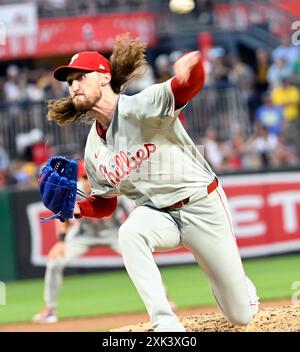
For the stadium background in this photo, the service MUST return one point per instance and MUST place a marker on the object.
(247, 118)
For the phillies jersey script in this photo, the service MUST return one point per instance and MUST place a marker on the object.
(147, 154)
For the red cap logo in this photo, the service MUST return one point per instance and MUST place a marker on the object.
(84, 61)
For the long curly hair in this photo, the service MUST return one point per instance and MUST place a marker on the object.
(128, 56)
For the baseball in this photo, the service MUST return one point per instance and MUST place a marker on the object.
(181, 6)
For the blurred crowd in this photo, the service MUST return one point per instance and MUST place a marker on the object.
(269, 86)
(21, 85)
(271, 90)
(56, 8)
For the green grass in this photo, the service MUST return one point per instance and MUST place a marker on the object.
(113, 292)
(273, 278)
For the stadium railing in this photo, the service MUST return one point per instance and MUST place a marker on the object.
(220, 107)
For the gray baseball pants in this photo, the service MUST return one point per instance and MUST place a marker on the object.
(207, 233)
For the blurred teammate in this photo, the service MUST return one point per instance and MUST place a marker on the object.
(138, 147)
(73, 242)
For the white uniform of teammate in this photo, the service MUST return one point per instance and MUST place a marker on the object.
(81, 236)
(149, 157)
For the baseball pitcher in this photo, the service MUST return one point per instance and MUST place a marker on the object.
(138, 147)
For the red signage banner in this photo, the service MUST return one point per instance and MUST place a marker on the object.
(265, 210)
(61, 36)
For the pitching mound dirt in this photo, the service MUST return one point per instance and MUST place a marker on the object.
(273, 316)
(275, 319)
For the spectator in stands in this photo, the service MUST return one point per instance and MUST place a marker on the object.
(12, 90)
(270, 115)
(14, 94)
(33, 92)
(262, 144)
(173, 57)
(283, 156)
(204, 10)
(296, 72)
(4, 166)
(4, 160)
(23, 174)
(278, 71)
(162, 67)
(287, 50)
(102, 4)
(216, 69)
(32, 147)
(145, 79)
(234, 153)
(52, 89)
(87, 7)
(287, 96)
(3, 180)
(212, 149)
(241, 75)
(52, 8)
(261, 83)
(2, 95)
(262, 65)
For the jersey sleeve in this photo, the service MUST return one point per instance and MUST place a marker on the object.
(155, 102)
(97, 207)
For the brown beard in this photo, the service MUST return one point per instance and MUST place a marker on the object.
(83, 106)
(63, 111)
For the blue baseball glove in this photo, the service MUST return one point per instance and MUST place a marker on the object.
(58, 187)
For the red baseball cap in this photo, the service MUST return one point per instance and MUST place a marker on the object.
(86, 61)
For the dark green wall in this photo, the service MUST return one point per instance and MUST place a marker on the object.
(7, 240)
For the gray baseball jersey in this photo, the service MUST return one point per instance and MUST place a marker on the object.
(147, 155)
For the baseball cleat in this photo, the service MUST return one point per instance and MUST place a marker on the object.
(46, 316)
(253, 298)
